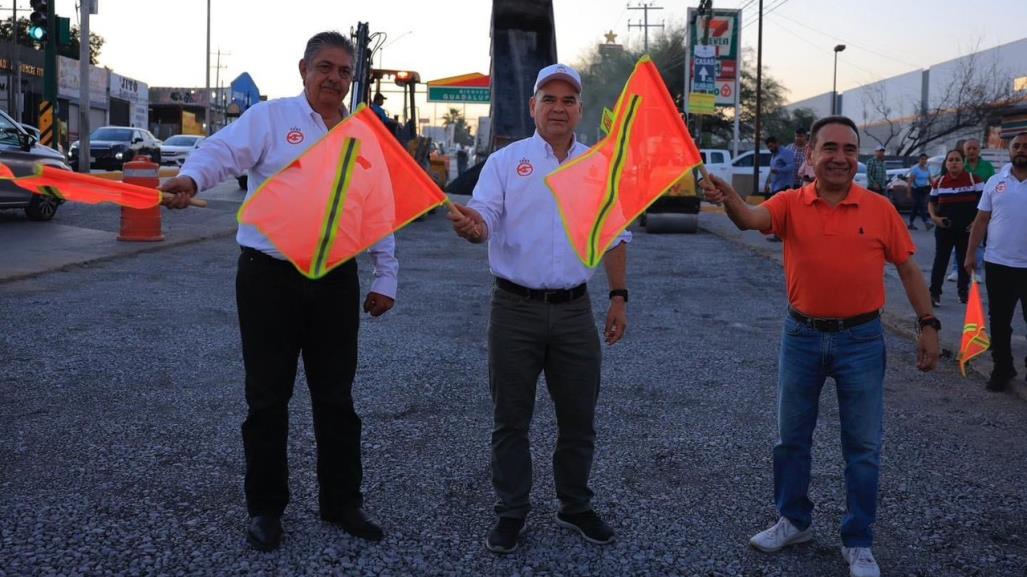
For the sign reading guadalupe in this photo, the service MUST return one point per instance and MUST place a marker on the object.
(470, 88)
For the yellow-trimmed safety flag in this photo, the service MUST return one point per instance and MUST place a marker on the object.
(349, 190)
(647, 151)
(975, 338)
(75, 187)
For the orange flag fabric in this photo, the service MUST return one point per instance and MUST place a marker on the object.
(975, 339)
(87, 189)
(75, 187)
(346, 192)
(647, 150)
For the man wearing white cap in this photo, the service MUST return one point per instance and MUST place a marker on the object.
(541, 318)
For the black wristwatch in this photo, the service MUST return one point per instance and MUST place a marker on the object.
(927, 321)
(619, 293)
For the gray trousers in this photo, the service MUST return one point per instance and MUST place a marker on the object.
(527, 337)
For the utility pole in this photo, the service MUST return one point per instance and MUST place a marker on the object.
(219, 103)
(206, 113)
(759, 103)
(16, 99)
(645, 25)
(86, 8)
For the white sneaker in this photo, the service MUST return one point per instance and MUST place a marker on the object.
(780, 536)
(952, 276)
(861, 562)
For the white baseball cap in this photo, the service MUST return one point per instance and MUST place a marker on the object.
(558, 72)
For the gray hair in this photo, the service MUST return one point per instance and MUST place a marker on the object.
(330, 38)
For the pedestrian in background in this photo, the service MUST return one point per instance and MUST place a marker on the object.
(799, 148)
(983, 170)
(541, 319)
(782, 168)
(1002, 215)
(919, 179)
(283, 314)
(953, 206)
(877, 173)
(837, 238)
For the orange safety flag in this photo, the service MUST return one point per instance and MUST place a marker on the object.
(975, 339)
(647, 151)
(75, 187)
(349, 190)
(87, 189)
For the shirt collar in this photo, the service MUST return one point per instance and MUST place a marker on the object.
(541, 142)
(855, 196)
(307, 108)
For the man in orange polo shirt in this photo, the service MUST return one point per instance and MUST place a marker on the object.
(837, 237)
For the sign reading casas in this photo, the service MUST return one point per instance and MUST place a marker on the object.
(714, 68)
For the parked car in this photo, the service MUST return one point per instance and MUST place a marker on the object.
(717, 162)
(741, 172)
(20, 152)
(176, 149)
(112, 146)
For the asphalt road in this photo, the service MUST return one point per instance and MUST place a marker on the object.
(121, 401)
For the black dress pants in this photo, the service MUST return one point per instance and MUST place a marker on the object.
(1006, 286)
(283, 315)
(945, 239)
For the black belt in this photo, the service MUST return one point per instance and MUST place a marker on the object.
(549, 296)
(833, 325)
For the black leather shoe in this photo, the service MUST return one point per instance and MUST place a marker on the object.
(264, 532)
(504, 535)
(588, 524)
(999, 380)
(355, 521)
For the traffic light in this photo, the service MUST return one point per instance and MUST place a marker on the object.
(38, 20)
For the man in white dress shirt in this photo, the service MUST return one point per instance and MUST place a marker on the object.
(541, 318)
(283, 314)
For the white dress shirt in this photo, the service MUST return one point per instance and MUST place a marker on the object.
(261, 142)
(1005, 197)
(527, 241)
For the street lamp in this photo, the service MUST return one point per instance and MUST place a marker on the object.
(834, 84)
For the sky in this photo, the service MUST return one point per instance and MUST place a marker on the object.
(162, 42)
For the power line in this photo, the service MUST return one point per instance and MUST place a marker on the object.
(848, 43)
(766, 13)
(645, 26)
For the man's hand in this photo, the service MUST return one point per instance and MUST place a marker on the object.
(717, 190)
(377, 304)
(616, 320)
(970, 262)
(940, 221)
(183, 187)
(927, 349)
(469, 224)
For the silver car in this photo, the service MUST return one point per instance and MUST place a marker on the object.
(177, 148)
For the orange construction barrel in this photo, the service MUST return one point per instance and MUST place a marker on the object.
(141, 224)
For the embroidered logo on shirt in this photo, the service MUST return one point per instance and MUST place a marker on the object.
(295, 136)
(525, 168)
(1000, 188)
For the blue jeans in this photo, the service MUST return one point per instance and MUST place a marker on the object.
(855, 358)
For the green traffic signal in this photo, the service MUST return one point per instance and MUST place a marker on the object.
(37, 33)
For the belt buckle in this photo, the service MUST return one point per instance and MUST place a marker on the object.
(548, 296)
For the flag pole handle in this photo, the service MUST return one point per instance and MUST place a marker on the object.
(453, 209)
(197, 202)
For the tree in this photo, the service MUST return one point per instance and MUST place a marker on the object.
(461, 132)
(977, 90)
(95, 45)
(604, 72)
(95, 41)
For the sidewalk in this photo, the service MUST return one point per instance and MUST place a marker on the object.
(897, 314)
(85, 234)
